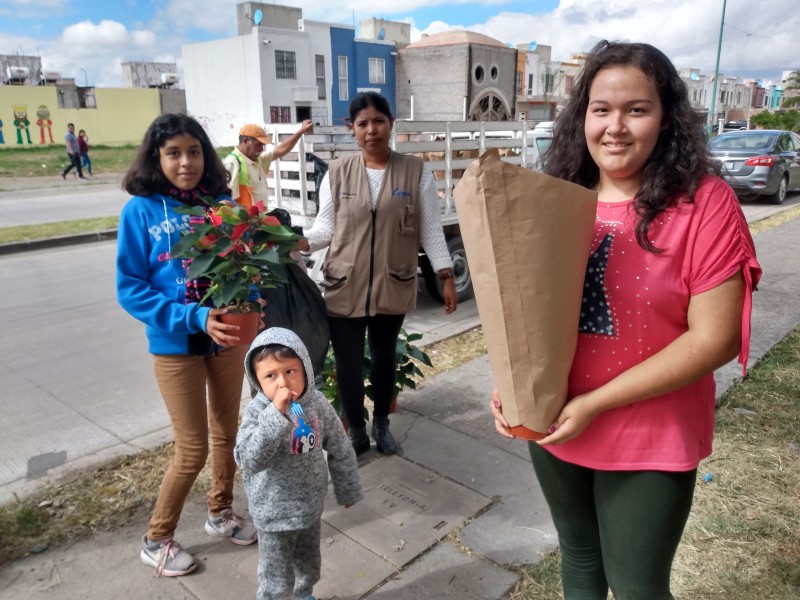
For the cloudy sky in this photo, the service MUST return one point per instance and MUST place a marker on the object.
(88, 39)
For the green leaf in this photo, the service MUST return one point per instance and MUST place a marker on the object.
(200, 266)
(184, 248)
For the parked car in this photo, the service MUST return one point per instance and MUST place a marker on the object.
(539, 140)
(762, 162)
(542, 135)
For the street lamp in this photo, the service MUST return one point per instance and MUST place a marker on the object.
(85, 78)
(712, 115)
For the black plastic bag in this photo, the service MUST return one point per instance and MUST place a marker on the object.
(298, 305)
(320, 168)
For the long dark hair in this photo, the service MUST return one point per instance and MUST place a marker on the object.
(373, 99)
(145, 177)
(678, 162)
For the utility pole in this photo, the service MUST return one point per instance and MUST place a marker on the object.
(713, 113)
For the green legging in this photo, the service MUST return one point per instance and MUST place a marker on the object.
(617, 529)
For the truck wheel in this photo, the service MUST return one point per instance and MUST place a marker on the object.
(463, 279)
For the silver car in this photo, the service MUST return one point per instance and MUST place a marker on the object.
(762, 162)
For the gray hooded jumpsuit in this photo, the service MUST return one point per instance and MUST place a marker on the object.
(286, 476)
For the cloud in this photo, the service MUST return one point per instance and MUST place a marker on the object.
(756, 44)
(93, 52)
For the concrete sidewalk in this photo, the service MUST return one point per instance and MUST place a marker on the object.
(456, 474)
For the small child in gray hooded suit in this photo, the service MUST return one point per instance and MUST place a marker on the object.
(284, 469)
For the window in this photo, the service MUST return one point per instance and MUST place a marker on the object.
(344, 93)
(285, 65)
(319, 61)
(280, 114)
(377, 70)
(569, 84)
(530, 85)
(518, 84)
(479, 74)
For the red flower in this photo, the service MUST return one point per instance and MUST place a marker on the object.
(207, 241)
(239, 231)
(270, 220)
(257, 208)
(216, 220)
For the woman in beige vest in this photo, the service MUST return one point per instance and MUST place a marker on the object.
(376, 209)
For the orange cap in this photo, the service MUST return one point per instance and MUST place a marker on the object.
(255, 131)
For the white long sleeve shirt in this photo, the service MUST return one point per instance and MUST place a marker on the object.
(431, 234)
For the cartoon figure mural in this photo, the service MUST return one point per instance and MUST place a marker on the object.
(21, 122)
(44, 123)
(2, 141)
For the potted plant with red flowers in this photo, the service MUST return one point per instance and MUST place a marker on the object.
(236, 250)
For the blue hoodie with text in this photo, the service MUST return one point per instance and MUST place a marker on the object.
(151, 285)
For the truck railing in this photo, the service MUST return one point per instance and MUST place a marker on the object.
(448, 147)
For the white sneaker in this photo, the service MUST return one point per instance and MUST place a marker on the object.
(167, 557)
(228, 524)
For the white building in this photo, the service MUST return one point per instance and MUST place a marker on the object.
(266, 75)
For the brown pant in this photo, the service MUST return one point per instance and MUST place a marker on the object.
(182, 379)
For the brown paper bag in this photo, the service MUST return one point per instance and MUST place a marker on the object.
(527, 237)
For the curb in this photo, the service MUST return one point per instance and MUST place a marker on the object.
(58, 241)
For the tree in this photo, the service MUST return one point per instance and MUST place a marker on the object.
(550, 80)
(788, 120)
(792, 83)
(765, 120)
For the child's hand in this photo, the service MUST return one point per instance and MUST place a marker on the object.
(283, 398)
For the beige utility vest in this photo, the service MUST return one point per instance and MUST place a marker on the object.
(371, 266)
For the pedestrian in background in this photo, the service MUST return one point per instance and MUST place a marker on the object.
(83, 147)
(73, 152)
(198, 372)
(667, 301)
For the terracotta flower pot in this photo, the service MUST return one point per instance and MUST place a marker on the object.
(248, 323)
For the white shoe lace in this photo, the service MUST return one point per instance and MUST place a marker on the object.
(231, 521)
(169, 548)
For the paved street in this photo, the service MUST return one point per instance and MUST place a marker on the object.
(76, 384)
(55, 200)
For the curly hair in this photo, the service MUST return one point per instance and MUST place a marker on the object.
(144, 177)
(678, 162)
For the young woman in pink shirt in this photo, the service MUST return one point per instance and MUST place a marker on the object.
(667, 301)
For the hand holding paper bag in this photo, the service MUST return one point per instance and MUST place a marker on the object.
(527, 237)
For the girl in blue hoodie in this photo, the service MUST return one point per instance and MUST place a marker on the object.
(176, 165)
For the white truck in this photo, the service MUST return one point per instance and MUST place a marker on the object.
(448, 147)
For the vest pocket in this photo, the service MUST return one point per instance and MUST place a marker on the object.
(336, 275)
(408, 220)
(395, 292)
